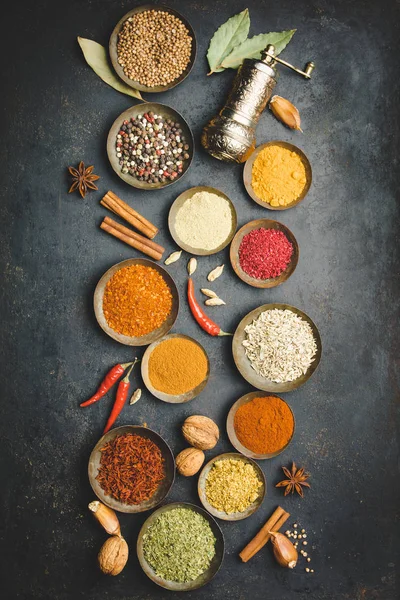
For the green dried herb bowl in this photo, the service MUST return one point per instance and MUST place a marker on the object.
(201, 579)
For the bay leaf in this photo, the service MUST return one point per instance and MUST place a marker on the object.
(97, 58)
(252, 47)
(231, 33)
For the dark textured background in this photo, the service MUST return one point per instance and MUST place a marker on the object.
(56, 112)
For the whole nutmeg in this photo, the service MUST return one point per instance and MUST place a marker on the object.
(113, 555)
(189, 461)
(201, 432)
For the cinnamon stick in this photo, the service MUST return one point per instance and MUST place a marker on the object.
(274, 523)
(131, 241)
(123, 210)
(134, 235)
(132, 211)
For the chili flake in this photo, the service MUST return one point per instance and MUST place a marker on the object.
(265, 253)
(136, 301)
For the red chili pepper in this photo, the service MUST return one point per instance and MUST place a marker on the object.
(122, 395)
(107, 383)
(202, 319)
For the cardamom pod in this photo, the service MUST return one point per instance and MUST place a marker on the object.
(135, 396)
(286, 112)
(173, 257)
(215, 273)
(214, 302)
(192, 266)
(208, 293)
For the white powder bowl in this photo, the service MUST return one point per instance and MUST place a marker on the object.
(202, 220)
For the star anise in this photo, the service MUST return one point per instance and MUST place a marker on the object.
(82, 179)
(296, 478)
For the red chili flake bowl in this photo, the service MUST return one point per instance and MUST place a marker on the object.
(235, 259)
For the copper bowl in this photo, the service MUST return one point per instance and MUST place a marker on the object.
(164, 487)
(180, 201)
(248, 167)
(148, 338)
(167, 113)
(230, 426)
(244, 366)
(234, 253)
(201, 579)
(114, 56)
(169, 397)
(238, 516)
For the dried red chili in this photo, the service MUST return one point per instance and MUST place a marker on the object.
(265, 253)
(131, 468)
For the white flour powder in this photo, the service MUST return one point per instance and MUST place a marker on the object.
(204, 221)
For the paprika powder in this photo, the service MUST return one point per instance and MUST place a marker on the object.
(264, 425)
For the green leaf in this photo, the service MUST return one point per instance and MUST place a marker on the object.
(96, 57)
(252, 47)
(229, 35)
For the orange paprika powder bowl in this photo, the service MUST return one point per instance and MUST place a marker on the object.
(160, 276)
(258, 432)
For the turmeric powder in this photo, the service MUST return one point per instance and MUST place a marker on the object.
(264, 425)
(177, 366)
(278, 176)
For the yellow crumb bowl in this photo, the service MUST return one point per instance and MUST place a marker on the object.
(277, 175)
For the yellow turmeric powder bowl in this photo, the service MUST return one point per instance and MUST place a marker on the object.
(277, 175)
(176, 368)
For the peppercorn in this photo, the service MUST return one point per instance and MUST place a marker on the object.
(149, 157)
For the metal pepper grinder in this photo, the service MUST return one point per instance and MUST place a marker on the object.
(230, 135)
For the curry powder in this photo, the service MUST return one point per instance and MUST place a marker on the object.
(177, 366)
(278, 176)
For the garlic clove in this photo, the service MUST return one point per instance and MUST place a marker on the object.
(286, 112)
(106, 517)
(284, 551)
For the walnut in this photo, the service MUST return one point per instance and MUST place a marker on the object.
(113, 555)
(201, 432)
(189, 461)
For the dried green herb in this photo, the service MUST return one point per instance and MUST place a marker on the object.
(252, 47)
(96, 57)
(229, 35)
(180, 545)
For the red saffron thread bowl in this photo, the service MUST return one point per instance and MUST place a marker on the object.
(235, 246)
(162, 490)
